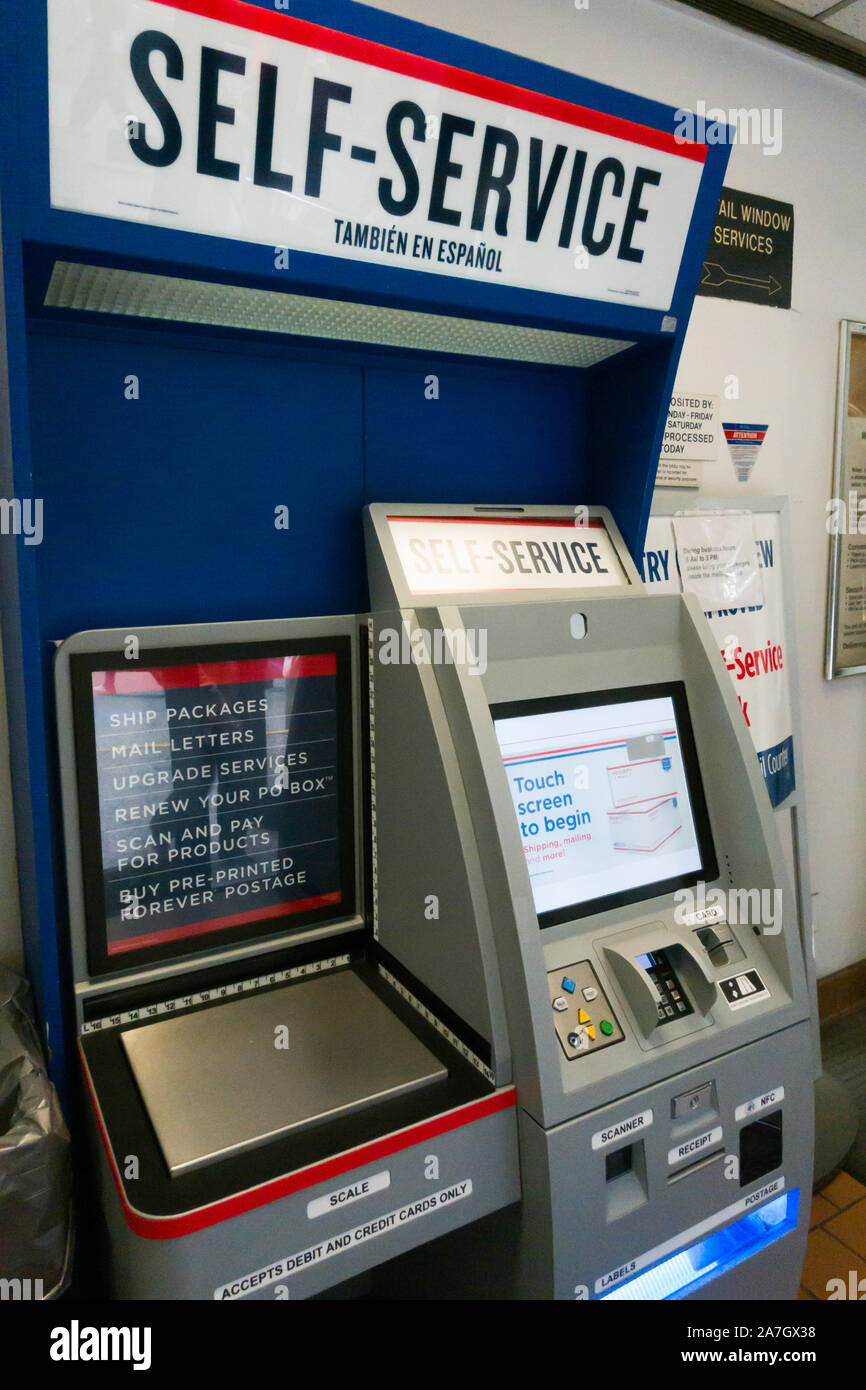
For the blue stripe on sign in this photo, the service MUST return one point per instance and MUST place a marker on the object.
(777, 765)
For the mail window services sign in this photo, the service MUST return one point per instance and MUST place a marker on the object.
(224, 118)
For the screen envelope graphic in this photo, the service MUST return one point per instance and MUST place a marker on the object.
(601, 799)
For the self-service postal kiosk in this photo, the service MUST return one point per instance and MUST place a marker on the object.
(449, 947)
(562, 770)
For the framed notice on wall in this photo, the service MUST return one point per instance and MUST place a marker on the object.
(846, 513)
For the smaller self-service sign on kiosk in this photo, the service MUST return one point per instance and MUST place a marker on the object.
(618, 861)
(271, 1115)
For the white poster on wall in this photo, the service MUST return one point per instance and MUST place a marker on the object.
(750, 638)
(718, 559)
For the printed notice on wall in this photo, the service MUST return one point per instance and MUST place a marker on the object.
(689, 440)
(848, 523)
(751, 640)
(717, 559)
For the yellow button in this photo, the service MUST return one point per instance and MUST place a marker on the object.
(590, 1033)
(583, 1016)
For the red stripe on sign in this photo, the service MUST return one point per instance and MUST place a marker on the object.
(307, 35)
(204, 673)
(171, 1227)
(157, 938)
(595, 523)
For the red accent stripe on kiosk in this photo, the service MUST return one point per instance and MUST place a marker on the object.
(173, 1227)
(309, 35)
(207, 673)
(238, 919)
(594, 523)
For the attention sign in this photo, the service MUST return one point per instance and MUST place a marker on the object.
(232, 120)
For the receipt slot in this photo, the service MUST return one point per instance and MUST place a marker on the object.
(270, 1114)
(570, 780)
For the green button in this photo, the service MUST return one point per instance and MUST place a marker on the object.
(606, 1027)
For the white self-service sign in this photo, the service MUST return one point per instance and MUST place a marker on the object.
(749, 631)
(263, 127)
(467, 555)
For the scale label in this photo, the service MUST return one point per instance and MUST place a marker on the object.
(347, 1240)
(622, 1129)
(759, 1103)
(364, 1187)
(708, 1140)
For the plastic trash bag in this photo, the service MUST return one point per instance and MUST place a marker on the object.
(35, 1174)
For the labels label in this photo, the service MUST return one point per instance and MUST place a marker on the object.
(703, 1228)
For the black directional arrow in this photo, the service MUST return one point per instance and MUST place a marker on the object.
(716, 275)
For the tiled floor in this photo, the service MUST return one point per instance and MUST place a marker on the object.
(837, 1240)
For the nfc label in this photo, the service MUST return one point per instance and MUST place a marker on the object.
(759, 1103)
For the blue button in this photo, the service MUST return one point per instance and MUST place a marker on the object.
(567, 985)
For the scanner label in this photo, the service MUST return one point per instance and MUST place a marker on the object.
(623, 1129)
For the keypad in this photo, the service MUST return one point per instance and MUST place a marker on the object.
(582, 1015)
(671, 1000)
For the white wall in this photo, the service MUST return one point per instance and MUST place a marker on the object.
(786, 361)
(10, 926)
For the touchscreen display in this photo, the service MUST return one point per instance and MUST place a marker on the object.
(607, 795)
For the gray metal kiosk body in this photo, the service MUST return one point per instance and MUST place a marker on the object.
(270, 1116)
(660, 1045)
